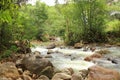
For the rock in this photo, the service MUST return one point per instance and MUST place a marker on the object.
(114, 61)
(48, 56)
(103, 51)
(108, 45)
(37, 53)
(37, 65)
(61, 76)
(51, 46)
(23, 46)
(20, 70)
(43, 77)
(4, 78)
(68, 71)
(50, 51)
(77, 76)
(100, 73)
(84, 73)
(78, 45)
(90, 58)
(92, 49)
(81, 75)
(19, 79)
(26, 77)
(48, 71)
(9, 70)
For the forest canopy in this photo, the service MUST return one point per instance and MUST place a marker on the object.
(76, 20)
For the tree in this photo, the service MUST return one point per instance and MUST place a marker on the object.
(91, 16)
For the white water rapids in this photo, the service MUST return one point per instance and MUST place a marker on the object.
(73, 58)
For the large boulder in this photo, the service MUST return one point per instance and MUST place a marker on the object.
(101, 73)
(38, 65)
(9, 70)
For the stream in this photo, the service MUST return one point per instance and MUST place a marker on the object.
(74, 58)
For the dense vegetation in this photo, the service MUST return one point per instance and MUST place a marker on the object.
(78, 20)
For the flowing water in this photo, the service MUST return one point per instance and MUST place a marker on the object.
(73, 58)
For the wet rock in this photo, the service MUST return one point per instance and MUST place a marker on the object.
(36, 53)
(101, 73)
(9, 70)
(103, 51)
(48, 56)
(36, 65)
(90, 58)
(92, 49)
(51, 46)
(108, 45)
(78, 45)
(50, 51)
(43, 77)
(114, 61)
(61, 76)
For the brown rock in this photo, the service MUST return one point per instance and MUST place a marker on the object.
(9, 70)
(103, 51)
(50, 51)
(100, 73)
(26, 77)
(43, 77)
(78, 45)
(51, 46)
(48, 71)
(38, 65)
(77, 76)
(89, 58)
(68, 71)
(48, 56)
(61, 76)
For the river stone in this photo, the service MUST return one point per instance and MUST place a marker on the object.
(43, 77)
(61, 76)
(77, 76)
(51, 46)
(91, 57)
(9, 70)
(101, 73)
(68, 71)
(37, 65)
(78, 45)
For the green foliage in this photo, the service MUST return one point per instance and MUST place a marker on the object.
(6, 54)
(91, 16)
